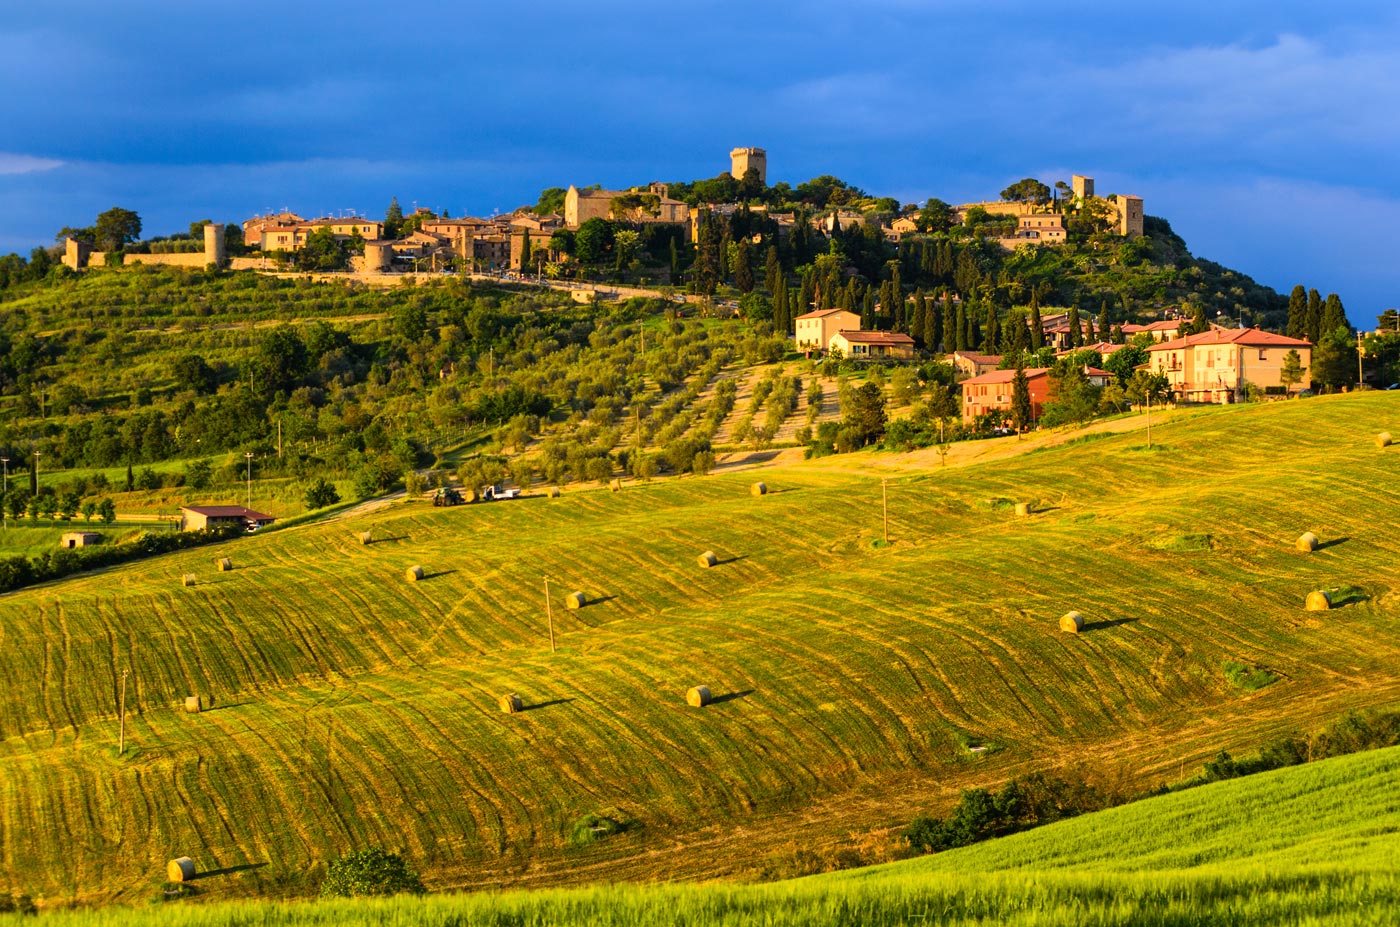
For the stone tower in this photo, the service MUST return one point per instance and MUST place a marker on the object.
(741, 159)
(1083, 187)
(214, 252)
(1129, 216)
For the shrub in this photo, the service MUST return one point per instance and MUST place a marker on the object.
(17, 904)
(370, 872)
(321, 494)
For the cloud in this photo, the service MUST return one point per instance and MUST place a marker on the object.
(11, 163)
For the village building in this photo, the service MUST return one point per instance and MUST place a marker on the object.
(289, 232)
(204, 517)
(1038, 229)
(871, 345)
(972, 364)
(1165, 330)
(992, 392)
(72, 539)
(813, 330)
(652, 205)
(1220, 365)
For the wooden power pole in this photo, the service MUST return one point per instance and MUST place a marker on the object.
(121, 736)
(549, 612)
(885, 504)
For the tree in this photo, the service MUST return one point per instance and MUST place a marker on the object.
(866, 417)
(743, 267)
(1298, 312)
(593, 240)
(1334, 359)
(1037, 326)
(1292, 370)
(1028, 190)
(370, 872)
(192, 372)
(107, 511)
(393, 219)
(117, 227)
(1021, 410)
(321, 494)
(1333, 315)
(936, 216)
(1199, 325)
(281, 360)
(1315, 328)
(88, 509)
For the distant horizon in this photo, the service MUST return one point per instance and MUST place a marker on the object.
(1261, 132)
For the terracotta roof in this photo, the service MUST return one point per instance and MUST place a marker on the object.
(876, 337)
(226, 511)
(1005, 376)
(978, 358)
(819, 313)
(1252, 337)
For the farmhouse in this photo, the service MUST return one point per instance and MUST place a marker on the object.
(860, 344)
(203, 517)
(972, 364)
(79, 539)
(1218, 365)
(993, 391)
(814, 329)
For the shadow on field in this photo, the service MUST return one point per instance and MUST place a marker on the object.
(436, 573)
(553, 701)
(600, 600)
(1105, 625)
(1041, 509)
(731, 559)
(731, 696)
(1332, 543)
(213, 707)
(228, 870)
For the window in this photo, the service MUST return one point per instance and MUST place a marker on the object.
(1263, 355)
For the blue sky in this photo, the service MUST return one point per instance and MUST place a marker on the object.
(1265, 132)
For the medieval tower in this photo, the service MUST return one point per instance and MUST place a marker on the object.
(741, 159)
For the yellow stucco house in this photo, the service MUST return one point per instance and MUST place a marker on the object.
(813, 330)
(1217, 366)
(885, 345)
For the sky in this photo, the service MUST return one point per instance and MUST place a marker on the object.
(1266, 133)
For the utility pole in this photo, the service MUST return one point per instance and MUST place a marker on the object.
(1149, 419)
(885, 503)
(549, 611)
(279, 438)
(5, 496)
(1360, 378)
(121, 737)
(248, 455)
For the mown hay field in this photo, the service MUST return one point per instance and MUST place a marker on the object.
(1313, 845)
(352, 708)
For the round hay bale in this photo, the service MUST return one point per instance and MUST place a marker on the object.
(576, 600)
(224, 564)
(179, 870)
(1306, 542)
(469, 495)
(552, 492)
(193, 704)
(698, 696)
(1023, 509)
(1072, 623)
(366, 537)
(615, 485)
(187, 580)
(758, 489)
(511, 703)
(1318, 602)
(413, 574)
(707, 559)
(1383, 439)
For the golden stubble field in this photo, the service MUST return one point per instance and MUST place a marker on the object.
(352, 707)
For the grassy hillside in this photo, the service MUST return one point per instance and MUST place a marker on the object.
(354, 708)
(1315, 844)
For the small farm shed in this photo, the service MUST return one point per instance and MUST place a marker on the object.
(79, 539)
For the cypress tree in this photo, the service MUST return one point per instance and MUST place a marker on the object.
(1103, 320)
(989, 329)
(974, 335)
(675, 261)
(130, 478)
(525, 251)
(1333, 315)
(743, 268)
(1076, 334)
(867, 310)
(897, 300)
(1199, 325)
(960, 328)
(1314, 316)
(1037, 326)
(772, 271)
(1021, 410)
(806, 294)
(1298, 312)
(34, 477)
(1089, 330)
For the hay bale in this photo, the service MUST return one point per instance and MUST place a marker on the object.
(1318, 602)
(187, 580)
(224, 564)
(707, 559)
(179, 870)
(366, 537)
(576, 600)
(758, 489)
(469, 495)
(413, 574)
(511, 704)
(552, 492)
(1383, 439)
(193, 704)
(1072, 623)
(1306, 542)
(1023, 509)
(698, 696)
(615, 485)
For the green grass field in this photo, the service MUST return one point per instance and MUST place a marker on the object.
(353, 708)
(1314, 844)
